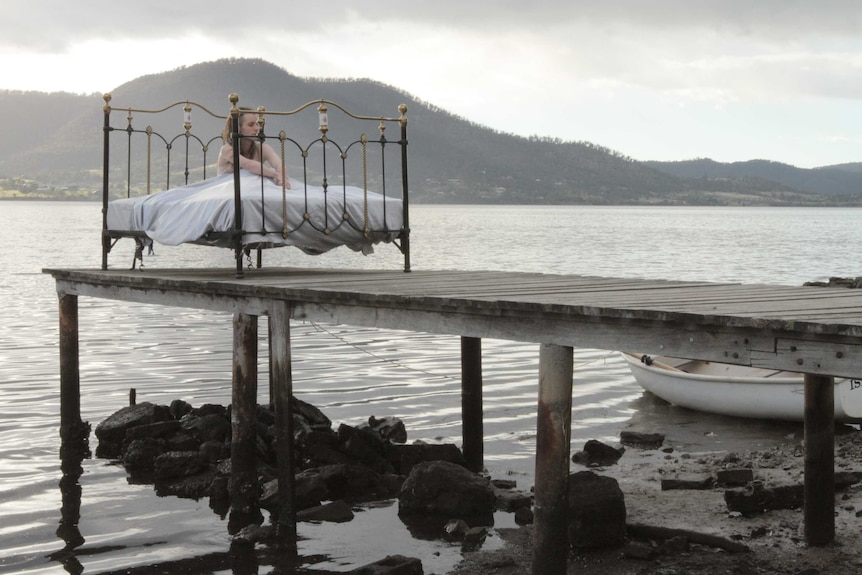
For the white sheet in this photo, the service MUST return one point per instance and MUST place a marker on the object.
(187, 214)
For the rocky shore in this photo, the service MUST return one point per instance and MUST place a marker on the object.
(644, 505)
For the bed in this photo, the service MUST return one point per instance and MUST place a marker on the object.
(338, 190)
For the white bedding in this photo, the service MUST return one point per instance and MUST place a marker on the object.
(187, 214)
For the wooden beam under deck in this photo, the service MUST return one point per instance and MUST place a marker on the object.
(813, 330)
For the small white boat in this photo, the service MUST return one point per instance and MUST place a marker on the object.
(737, 390)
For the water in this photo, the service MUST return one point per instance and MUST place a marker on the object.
(350, 373)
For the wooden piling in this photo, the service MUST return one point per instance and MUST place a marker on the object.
(244, 488)
(471, 403)
(553, 435)
(71, 425)
(819, 459)
(281, 379)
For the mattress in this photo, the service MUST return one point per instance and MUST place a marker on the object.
(316, 221)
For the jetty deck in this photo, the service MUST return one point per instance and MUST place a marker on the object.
(813, 330)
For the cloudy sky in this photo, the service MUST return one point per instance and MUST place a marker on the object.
(654, 80)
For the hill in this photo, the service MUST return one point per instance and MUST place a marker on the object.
(841, 180)
(55, 139)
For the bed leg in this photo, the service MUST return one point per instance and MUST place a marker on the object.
(139, 254)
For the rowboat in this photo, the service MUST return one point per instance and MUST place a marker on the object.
(735, 390)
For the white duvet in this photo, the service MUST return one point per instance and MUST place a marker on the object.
(189, 213)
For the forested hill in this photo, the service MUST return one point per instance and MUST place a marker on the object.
(55, 139)
(836, 180)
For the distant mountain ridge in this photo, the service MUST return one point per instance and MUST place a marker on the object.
(839, 179)
(57, 139)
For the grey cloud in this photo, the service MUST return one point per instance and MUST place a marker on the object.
(51, 25)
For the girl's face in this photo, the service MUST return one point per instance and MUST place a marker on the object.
(248, 125)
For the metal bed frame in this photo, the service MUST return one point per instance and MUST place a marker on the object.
(318, 153)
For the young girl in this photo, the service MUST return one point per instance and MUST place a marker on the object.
(251, 150)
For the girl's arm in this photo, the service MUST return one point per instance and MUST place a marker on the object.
(271, 167)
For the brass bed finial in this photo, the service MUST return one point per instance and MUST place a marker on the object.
(107, 98)
(323, 118)
(234, 98)
(187, 117)
(261, 118)
(402, 108)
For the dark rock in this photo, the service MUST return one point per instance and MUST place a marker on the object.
(323, 455)
(504, 483)
(851, 283)
(642, 440)
(213, 451)
(182, 441)
(112, 431)
(365, 446)
(155, 430)
(208, 427)
(333, 512)
(312, 416)
(211, 409)
(391, 565)
(348, 481)
(474, 537)
(444, 488)
(524, 516)
(265, 416)
(511, 500)
(597, 511)
(700, 482)
(734, 477)
(455, 530)
(177, 464)
(179, 408)
(844, 479)
(141, 454)
(757, 498)
(596, 453)
(387, 428)
(190, 487)
(310, 489)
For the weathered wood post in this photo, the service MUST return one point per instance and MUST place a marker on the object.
(244, 488)
(553, 435)
(819, 459)
(71, 426)
(282, 381)
(471, 403)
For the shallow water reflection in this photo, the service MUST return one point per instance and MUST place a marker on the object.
(349, 373)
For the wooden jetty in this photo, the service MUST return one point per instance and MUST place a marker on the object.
(813, 330)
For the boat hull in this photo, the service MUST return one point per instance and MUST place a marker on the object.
(760, 394)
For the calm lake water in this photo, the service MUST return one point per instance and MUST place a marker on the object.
(350, 373)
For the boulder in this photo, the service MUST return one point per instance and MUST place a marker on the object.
(112, 431)
(387, 428)
(177, 464)
(597, 454)
(444, 488)
(207, 427)
(597, 511)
